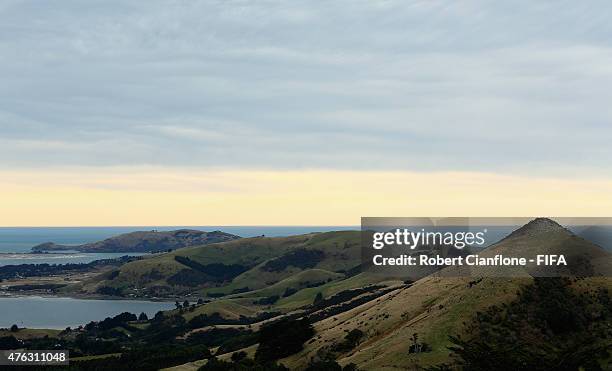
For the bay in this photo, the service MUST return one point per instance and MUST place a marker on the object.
(59, 313)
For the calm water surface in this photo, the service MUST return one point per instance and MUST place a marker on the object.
(58, 313)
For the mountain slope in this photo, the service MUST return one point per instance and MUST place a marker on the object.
(436, 307)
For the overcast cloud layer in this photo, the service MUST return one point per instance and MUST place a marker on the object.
(481, 85)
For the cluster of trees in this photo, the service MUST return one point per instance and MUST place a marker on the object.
(145, 358)
(267, 300)
(120, 320)
(350, 341)
(187, 305)
(216, 272)
(109, 291)
(549, 326)
(283, 338)
(229, 338)
(188, 278)
(341, 302)
(203, 320)
(45, 269)
(9, 342)
(418, 347)
(300, 258)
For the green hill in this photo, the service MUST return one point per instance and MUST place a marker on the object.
(438, 306)
(426, 313)
(237, 266)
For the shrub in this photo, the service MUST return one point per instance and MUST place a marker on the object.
(300, 258)
(283, 338)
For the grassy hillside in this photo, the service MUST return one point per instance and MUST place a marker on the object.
(435, 307)
(242, 265)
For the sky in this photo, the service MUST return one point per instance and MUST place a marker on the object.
(318, 112)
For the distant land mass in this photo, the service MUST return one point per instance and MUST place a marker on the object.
(144, 241)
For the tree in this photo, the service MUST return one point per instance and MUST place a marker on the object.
(67, 330)
(186, 304)
(283, 338)
(318, 298)
(14, 328)
(159, 316)
(177, 304)
(143, 317)
(549, 326)
(200, 301)
(9, 342)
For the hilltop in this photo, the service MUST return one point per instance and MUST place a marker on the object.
(144, 241)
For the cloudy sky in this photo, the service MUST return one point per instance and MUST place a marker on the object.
(222, 105)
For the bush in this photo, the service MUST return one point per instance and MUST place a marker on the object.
(9, 342)
(110, 291)
(548, 327)
(350, 341)
(216, 271)
(267, 301)
(188, 278)
(300, 258)
(283, 338)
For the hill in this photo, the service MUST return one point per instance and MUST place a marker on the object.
(144, 241)
(436, 306)
(236, 266)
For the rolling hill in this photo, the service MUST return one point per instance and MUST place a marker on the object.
(437, 306)
(238, 266)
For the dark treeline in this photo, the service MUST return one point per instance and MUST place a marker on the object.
(215, 272)
(300, 258)
(45, 269)
(550, 326)
(123, 343)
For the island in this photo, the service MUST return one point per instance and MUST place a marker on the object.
(143, 241)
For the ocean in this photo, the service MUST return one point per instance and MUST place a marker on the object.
(16, 242)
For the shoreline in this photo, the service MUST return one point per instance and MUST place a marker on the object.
(3, 295)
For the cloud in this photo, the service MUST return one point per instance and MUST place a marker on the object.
(428, 86)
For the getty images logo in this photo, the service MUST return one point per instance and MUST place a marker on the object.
(412, 240)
